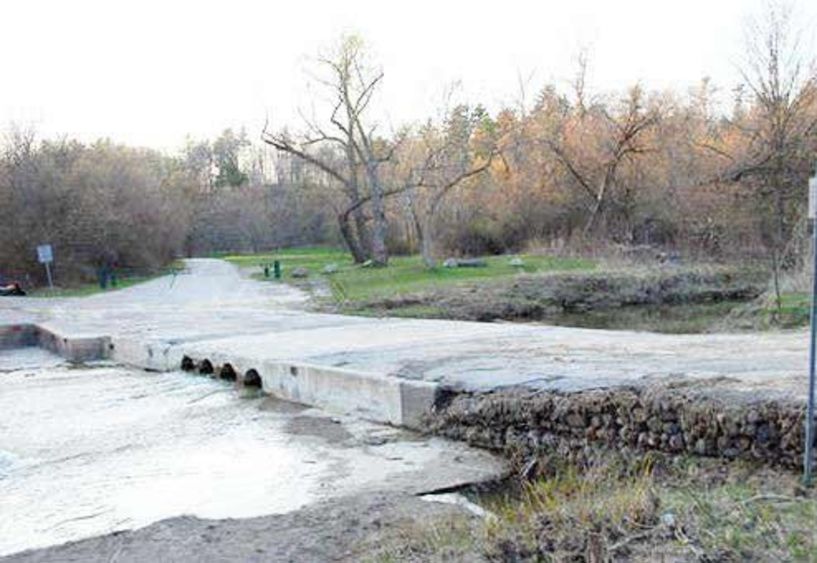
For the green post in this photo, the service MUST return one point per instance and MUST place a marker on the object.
(276, 266)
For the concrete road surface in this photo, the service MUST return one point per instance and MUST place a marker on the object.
(212, 308)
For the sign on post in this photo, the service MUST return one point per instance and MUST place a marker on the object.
(45, 255)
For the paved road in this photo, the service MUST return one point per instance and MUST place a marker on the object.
(212, 308)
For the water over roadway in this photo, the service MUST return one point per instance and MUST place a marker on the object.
(89, 450)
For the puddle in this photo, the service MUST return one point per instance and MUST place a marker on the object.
(319, 427)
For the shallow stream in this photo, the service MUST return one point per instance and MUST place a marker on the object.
(670, 319)
(93, 449)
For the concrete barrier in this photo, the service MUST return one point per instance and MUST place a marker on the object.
(152, 355)
(79, 348)
(372, 396)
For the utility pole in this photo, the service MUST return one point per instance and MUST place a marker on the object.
(807, 450)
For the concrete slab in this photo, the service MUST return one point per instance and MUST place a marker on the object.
(213, 311)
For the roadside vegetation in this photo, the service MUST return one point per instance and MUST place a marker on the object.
(566, 290)
(351, 284)
(122, 280)
(651, 509)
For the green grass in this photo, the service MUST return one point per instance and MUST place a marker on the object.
(795, 309)
(85, 289)
(404, 275)
(794, 312)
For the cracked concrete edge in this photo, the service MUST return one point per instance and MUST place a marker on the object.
(74, 348)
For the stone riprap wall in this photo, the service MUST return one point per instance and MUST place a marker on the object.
(669, 418)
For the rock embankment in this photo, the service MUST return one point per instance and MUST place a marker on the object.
(675, 418)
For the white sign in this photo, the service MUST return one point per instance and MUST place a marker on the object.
(45, 254)
(812, 198)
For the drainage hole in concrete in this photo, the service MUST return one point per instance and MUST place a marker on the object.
(252, 379)
(227, 372)
(206, 367)
(188, 364)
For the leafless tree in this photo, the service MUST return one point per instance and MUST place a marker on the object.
(352, 84)
(783, 83)
(619, 137)
(446, 157)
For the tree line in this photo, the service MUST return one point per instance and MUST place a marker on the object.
(573, 168)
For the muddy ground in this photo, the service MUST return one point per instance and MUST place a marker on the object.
(349, 529)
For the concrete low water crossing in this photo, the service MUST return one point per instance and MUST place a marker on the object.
(87, 449)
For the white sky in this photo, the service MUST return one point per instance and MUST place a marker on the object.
(151, 72)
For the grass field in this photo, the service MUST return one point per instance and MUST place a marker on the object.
(405, 274)
(794, 312)
(123, 280)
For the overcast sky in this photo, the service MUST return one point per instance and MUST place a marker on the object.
(151, 72)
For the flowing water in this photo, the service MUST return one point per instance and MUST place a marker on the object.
(90, 450)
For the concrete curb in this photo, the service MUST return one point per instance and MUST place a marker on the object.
(18, 336)
(371, 396)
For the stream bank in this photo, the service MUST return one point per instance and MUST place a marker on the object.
(666, 299)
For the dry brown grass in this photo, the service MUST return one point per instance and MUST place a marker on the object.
(653, 509)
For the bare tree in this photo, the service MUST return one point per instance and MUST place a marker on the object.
(352, 84)
(619, 138)
(783, 84)
(448, 157)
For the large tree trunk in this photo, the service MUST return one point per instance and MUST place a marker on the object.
(427, 243)
(380, 253)
(598, 204)
(348, 234)
(364, 236)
